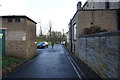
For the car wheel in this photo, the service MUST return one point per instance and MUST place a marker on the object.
(37, 47)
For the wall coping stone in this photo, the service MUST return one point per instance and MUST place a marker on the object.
(111, 33)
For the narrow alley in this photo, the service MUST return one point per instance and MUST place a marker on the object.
(50, 63)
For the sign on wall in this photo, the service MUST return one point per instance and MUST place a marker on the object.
(24, 38)
(1, 36)
(16, 35)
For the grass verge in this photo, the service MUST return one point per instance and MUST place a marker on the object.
(9, 63)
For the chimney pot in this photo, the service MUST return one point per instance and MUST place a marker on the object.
(79, 6)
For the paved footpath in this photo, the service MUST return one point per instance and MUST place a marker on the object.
(51, 63)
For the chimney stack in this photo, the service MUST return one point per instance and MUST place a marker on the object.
(79, 6)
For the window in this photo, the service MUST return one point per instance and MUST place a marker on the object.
(9, 19)
(107, 5)
(92, 3)
(17, 20)
(75, 31)
(68, 37)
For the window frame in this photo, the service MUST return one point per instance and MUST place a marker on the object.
(17, 19)
(107, 5)
(74, 32)
(10, 20)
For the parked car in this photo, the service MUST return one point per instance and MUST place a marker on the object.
(42, 45)
(63, 43)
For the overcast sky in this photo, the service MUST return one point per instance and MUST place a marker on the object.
(59, 12)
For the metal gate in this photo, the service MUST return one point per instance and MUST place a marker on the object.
(2, 42)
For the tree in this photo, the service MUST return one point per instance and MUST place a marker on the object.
(50, 27)
(63, 34)
(52, 35)
(40, 34)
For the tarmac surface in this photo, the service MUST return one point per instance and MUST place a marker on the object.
(50, 63)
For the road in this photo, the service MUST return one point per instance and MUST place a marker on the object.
(50, 63)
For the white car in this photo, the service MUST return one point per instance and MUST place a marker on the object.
(46, 43)
(63, 43)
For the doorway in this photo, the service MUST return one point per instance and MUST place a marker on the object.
(2, 42)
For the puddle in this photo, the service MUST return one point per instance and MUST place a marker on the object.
(52, 51)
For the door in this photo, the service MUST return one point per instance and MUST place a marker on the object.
(2, 42)
(74, 48)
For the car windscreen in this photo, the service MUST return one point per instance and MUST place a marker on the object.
(42, 43)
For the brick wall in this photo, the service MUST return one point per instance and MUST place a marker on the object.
(101, 53)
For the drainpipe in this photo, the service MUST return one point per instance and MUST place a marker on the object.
(118, 18)
(70, 29)
(92, 4)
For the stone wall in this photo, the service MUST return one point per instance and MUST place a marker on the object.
(102, 5)
(16, 44)
(107, 19)
(16, 49)
(30, 38)
(101, 53)
(15, 34)
(73, 43)
(20, 37)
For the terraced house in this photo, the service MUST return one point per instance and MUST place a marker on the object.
(20, 36)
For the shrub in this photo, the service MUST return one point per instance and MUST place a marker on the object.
(94, 29)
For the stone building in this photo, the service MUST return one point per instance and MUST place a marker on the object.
(20, 36)
(81, 45)
(102, 4)
(83, 18)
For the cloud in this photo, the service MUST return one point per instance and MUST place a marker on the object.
(57, 11)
